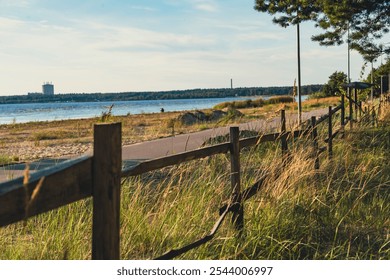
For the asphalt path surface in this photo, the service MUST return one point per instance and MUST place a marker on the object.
(132, 154)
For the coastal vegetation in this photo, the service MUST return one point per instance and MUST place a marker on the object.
(338, 212)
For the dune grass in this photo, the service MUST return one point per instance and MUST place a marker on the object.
(340, 211)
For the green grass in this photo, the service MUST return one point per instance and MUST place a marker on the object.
(340, 211)
(4, 160)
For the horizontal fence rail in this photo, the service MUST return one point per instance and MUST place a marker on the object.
(98, 176)
(45, 190)
(162, 162)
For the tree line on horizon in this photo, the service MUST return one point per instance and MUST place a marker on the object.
(173, 94)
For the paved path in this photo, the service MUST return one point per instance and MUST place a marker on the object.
(131, 154)
(186, 142)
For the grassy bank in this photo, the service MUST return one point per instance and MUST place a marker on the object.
(338, 212)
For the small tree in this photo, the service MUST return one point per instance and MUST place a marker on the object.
(334, 86)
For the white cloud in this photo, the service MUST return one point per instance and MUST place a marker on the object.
(131, 39)
(204, 5)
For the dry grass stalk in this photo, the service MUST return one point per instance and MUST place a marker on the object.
(29, 200)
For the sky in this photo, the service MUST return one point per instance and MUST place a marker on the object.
(154, 45)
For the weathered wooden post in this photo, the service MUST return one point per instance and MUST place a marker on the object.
(314, 136)
(107, 165)
(356, 104)
(283, 134)
(350, 111)
(238, 214)
(330, 134)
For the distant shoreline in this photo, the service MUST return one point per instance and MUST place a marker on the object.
(49, 111)
(161, 95)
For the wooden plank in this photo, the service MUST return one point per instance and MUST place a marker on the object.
(150, 165)
(63, 184)
(238, 215)
(350, 99)
(322, 119)
(107, 165)
(253, 141)
(320, 151)
(246, 194)
(326, 116)
(300, 133)
(336, 109)
(158, 163)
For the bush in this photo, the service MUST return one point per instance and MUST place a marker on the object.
(280, 99)
(241, 104)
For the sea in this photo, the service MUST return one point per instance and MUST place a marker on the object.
(32, 112)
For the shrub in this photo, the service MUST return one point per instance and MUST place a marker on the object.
(280, 99)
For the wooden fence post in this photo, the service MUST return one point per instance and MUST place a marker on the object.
(283, 137)
(356, 104)
(350, 110)
(314, 136)
(342, 121)
(107, 165)
(330, 134)
(238, 214)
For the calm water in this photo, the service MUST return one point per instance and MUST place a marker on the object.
(21, 113)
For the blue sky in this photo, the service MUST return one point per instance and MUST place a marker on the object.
(151, 45)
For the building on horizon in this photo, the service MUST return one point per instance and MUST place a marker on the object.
(48, 89)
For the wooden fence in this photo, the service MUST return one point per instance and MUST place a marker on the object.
(99, 177)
